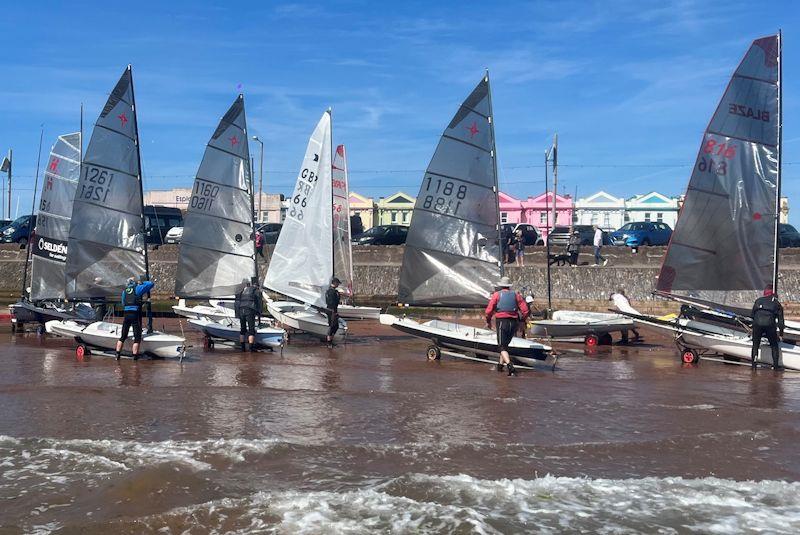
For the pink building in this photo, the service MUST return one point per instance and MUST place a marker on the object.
(537, 211)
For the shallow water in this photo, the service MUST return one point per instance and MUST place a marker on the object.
(371, 437)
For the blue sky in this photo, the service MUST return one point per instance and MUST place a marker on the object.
(628, 86)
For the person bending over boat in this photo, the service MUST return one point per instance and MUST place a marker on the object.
(332, 302)
(247, 306)
(132, 299)
(507, 306)
(767, 321)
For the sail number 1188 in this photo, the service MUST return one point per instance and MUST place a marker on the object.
(444, 196)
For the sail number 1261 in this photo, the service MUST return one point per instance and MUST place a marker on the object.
(96, 184)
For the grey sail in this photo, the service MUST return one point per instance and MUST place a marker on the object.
(49, 248)
(452, 254)
(106, 234)
(723, 249)
(342, 248)
(217, 250)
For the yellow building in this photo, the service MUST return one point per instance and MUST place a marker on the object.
(395, 209)
(364, 207)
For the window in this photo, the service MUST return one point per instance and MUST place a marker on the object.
(542, 218)
(647, 216)
(659, 217)
(574, 217)
(594, 218)
(504, 217)
(394, 216)
(406, 216)
(606, 220)
(626, 218)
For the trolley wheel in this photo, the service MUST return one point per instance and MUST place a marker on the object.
(82, 351)
(689, 356)
(434, 353)
(208, 343)
(606, 339)
(591, 340)
(14, 327)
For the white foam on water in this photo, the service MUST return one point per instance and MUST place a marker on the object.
(428, 503)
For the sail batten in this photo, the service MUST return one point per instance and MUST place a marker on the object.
(302, 261)
(723, 249)
(48, 250)
(106, 234)
(217, 251)
(452, 254)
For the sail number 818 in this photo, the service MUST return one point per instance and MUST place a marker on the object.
(445, 196)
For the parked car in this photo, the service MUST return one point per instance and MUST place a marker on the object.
(560, 235)
(270, 231)
(4, 223)
(157, 222)
(174, 235)
(788, 236)
(529, 232)
(642, 233)
(19, 230)
(382, 235)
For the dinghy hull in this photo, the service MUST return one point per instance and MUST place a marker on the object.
(104, 335)
(304, 318)
(572, 323)
(265, 336)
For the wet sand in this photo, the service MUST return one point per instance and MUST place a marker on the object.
(371, 437)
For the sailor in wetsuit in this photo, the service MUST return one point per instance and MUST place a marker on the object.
(332, 303)
(132, 299)
(767, 321)
(507, 306)
(247, 305)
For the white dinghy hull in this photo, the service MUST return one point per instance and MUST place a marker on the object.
(573, 323)
(104, 335)
(304, 318)
(229, 330)
(468, 339)
(350, 312)
(212, 312)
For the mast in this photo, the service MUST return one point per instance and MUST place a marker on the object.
(148, 305)
(547, 226)
(780, 157)
(30, 221)
(496, 180)
(555, 180)
(251, 186)
(333, 233)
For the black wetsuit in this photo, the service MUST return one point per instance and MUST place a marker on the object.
(767, 321)
(332, 302)
(248, 303)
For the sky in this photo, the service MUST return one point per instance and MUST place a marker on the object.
(629, 86)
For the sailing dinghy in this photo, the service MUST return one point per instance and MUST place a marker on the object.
(342, 246)
(302, 262)
(217, 251)
(724, 250)
(216, 309)
(452, 255)
(106, 232)
(49, 247)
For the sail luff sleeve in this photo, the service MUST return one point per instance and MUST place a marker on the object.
(452, 251)
(723, 246)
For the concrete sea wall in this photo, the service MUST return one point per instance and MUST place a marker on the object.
(377, 271)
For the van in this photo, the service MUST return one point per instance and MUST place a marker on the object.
(19, 230)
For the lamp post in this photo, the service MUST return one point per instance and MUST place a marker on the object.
(260, 177)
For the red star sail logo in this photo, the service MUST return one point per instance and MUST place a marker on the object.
(54, 164)
(122, 119)
(49, 183)
(234, 141)
(472, 129)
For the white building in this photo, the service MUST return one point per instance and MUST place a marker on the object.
(652, 206)
(601, 209)
(272, 209)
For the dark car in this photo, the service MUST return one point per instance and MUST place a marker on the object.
(642, 233)
(157, 222)
(4, 223)
(19, 230)
(560, 235)
(788, 236)
(382, 235)
(529, 232)
(270, 231)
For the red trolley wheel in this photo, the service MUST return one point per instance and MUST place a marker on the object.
(689, 356)
(591, 340)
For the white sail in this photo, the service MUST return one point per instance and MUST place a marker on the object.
(302, 262)
(342, 248)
